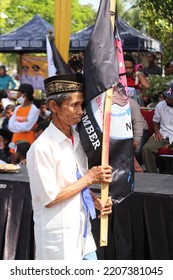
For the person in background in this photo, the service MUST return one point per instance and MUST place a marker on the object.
(5, 100)
(171, 67)
(152, 68)
(76, 63)
(41, 127)
(9, 110)
(163, 131)
(167, 70)
(59, 178)
(25, 116)
(37, 79)
(43, 112)
(135, 80)
(3, 95)
(25, 78)
(5, 139)
(6, 81)
(160, 97)
(140, 129)
(21, 149)
(139, 67)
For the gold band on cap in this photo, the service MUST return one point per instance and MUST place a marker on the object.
(61, 86)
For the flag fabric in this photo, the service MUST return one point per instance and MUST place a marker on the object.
(101, 72)
(56, 64)
(51, 66)
(100, 57)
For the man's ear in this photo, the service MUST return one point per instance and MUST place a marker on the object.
(52, 106)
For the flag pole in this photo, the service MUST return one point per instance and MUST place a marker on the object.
(105, 146)
(62, 24)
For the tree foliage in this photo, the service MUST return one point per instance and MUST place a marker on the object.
(20, 11)
(157, 16)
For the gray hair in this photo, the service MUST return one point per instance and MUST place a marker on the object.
(58, 98)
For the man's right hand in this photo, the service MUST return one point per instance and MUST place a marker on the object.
(157, 136)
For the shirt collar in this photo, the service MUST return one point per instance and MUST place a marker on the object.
(60, 136)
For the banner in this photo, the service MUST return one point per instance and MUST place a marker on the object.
(31, 60)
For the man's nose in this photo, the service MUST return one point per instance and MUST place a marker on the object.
(81, 111)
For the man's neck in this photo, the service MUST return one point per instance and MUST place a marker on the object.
(66, 129)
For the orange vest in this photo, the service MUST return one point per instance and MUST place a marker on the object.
(28, 136)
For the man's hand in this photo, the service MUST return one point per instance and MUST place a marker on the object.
(99, 174)
(104, 209)
(157, 136)
(136, 144)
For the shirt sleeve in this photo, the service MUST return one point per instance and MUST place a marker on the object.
(42, 174)
(156, 117)
(16, 126)
(137, 120)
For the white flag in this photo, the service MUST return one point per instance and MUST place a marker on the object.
(51, 67)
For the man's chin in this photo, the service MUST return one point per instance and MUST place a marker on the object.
(76, 121)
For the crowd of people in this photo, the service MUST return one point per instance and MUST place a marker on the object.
(45, 139)
(20, 117)
(21, 120)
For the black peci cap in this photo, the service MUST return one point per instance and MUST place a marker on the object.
(64, 83)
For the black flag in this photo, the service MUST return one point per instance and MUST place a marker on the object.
(56, 63)
(100, 61)
(101, 72)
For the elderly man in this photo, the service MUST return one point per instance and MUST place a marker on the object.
(59, 179)
(163, 131)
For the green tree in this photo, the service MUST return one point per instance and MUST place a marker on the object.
(157, 15)
(3, 6)
(82, 16)
(20, 11)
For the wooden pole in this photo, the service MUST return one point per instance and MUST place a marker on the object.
(62, 26)
(105, 148)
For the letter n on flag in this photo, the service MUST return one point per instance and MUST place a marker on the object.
(101, 72)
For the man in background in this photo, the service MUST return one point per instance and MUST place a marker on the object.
(152, 68)
(37, 79)
(163, 131)
(25, 78)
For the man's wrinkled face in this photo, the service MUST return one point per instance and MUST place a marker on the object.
(70, 112)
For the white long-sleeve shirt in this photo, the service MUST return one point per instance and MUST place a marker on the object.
(15, 126)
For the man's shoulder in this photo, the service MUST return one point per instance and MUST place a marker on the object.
(161, 105)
